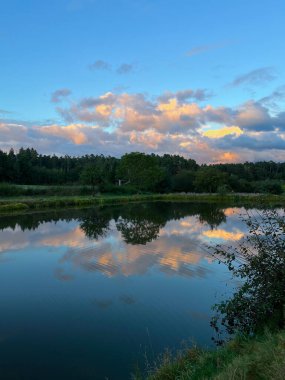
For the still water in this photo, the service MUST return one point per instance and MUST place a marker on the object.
(90, 294)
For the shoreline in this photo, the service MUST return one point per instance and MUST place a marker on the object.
(23, 204)
(257, 357)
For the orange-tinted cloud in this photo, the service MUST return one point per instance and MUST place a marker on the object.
(228, 157)
(224, 235)
(173, 123)
(72, 132)
(73, 238)
(218, 133)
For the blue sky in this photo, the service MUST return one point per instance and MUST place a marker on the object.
(220, 63)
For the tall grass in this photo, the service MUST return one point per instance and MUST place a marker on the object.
(262, 357)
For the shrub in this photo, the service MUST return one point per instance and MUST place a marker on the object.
(258, 261)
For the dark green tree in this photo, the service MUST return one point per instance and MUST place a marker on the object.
(183, 181)
(208, 179)
(92, 175)
(140, 170)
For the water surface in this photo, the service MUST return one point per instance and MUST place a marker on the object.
(88, 294)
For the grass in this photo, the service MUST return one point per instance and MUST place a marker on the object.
(261, 358)
(22, 203)
(13, 207)
(13, 190)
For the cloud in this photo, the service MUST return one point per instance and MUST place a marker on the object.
(228, 157)
(204, 48)
(254, 116)
(12, 133)
(57, 95)
(218, 133)
(135, 112)
(257, 77)
(71, 132)
(199, 49)
(257, 141)
(91, 110)
(199, 95)
(148, 138)
(251, 116)
(175, 123)
(100, 65)
(5, 112)
(274, 98)
(125, 68)
(172, 122)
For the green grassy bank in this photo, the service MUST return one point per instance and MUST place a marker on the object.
(21, 203)
(29, 203)
(262, 357)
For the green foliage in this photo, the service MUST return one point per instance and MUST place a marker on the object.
(259, 263)
(223, 189)
(143, 172)
(262, 357)
(241, 185)
(173, 164)
(209, 179)
(92, 175)
(183, 181)
(268, 186)
(140, 170)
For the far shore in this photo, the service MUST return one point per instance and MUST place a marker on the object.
(29, 203)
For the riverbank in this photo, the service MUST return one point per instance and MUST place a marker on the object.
(22, 204)
(262, 357)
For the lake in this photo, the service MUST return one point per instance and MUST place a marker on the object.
(94, 293)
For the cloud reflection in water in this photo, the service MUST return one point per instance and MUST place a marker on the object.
(132, 241)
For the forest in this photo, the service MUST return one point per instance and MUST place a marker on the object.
(136, 172)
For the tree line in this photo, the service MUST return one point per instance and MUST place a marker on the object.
(136, 171)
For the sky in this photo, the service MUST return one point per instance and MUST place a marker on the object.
(203, 79)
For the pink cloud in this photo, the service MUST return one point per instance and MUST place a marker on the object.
(170, 123)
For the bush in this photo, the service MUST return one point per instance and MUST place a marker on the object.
(269, 187)
(258, 261)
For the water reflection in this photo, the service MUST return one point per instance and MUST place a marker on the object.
(128, 240)
(158, 213)
(94, 287)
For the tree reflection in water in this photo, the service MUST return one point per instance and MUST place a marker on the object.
(95, 224)
(139, 223)
(105, 238)
(212, 215)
